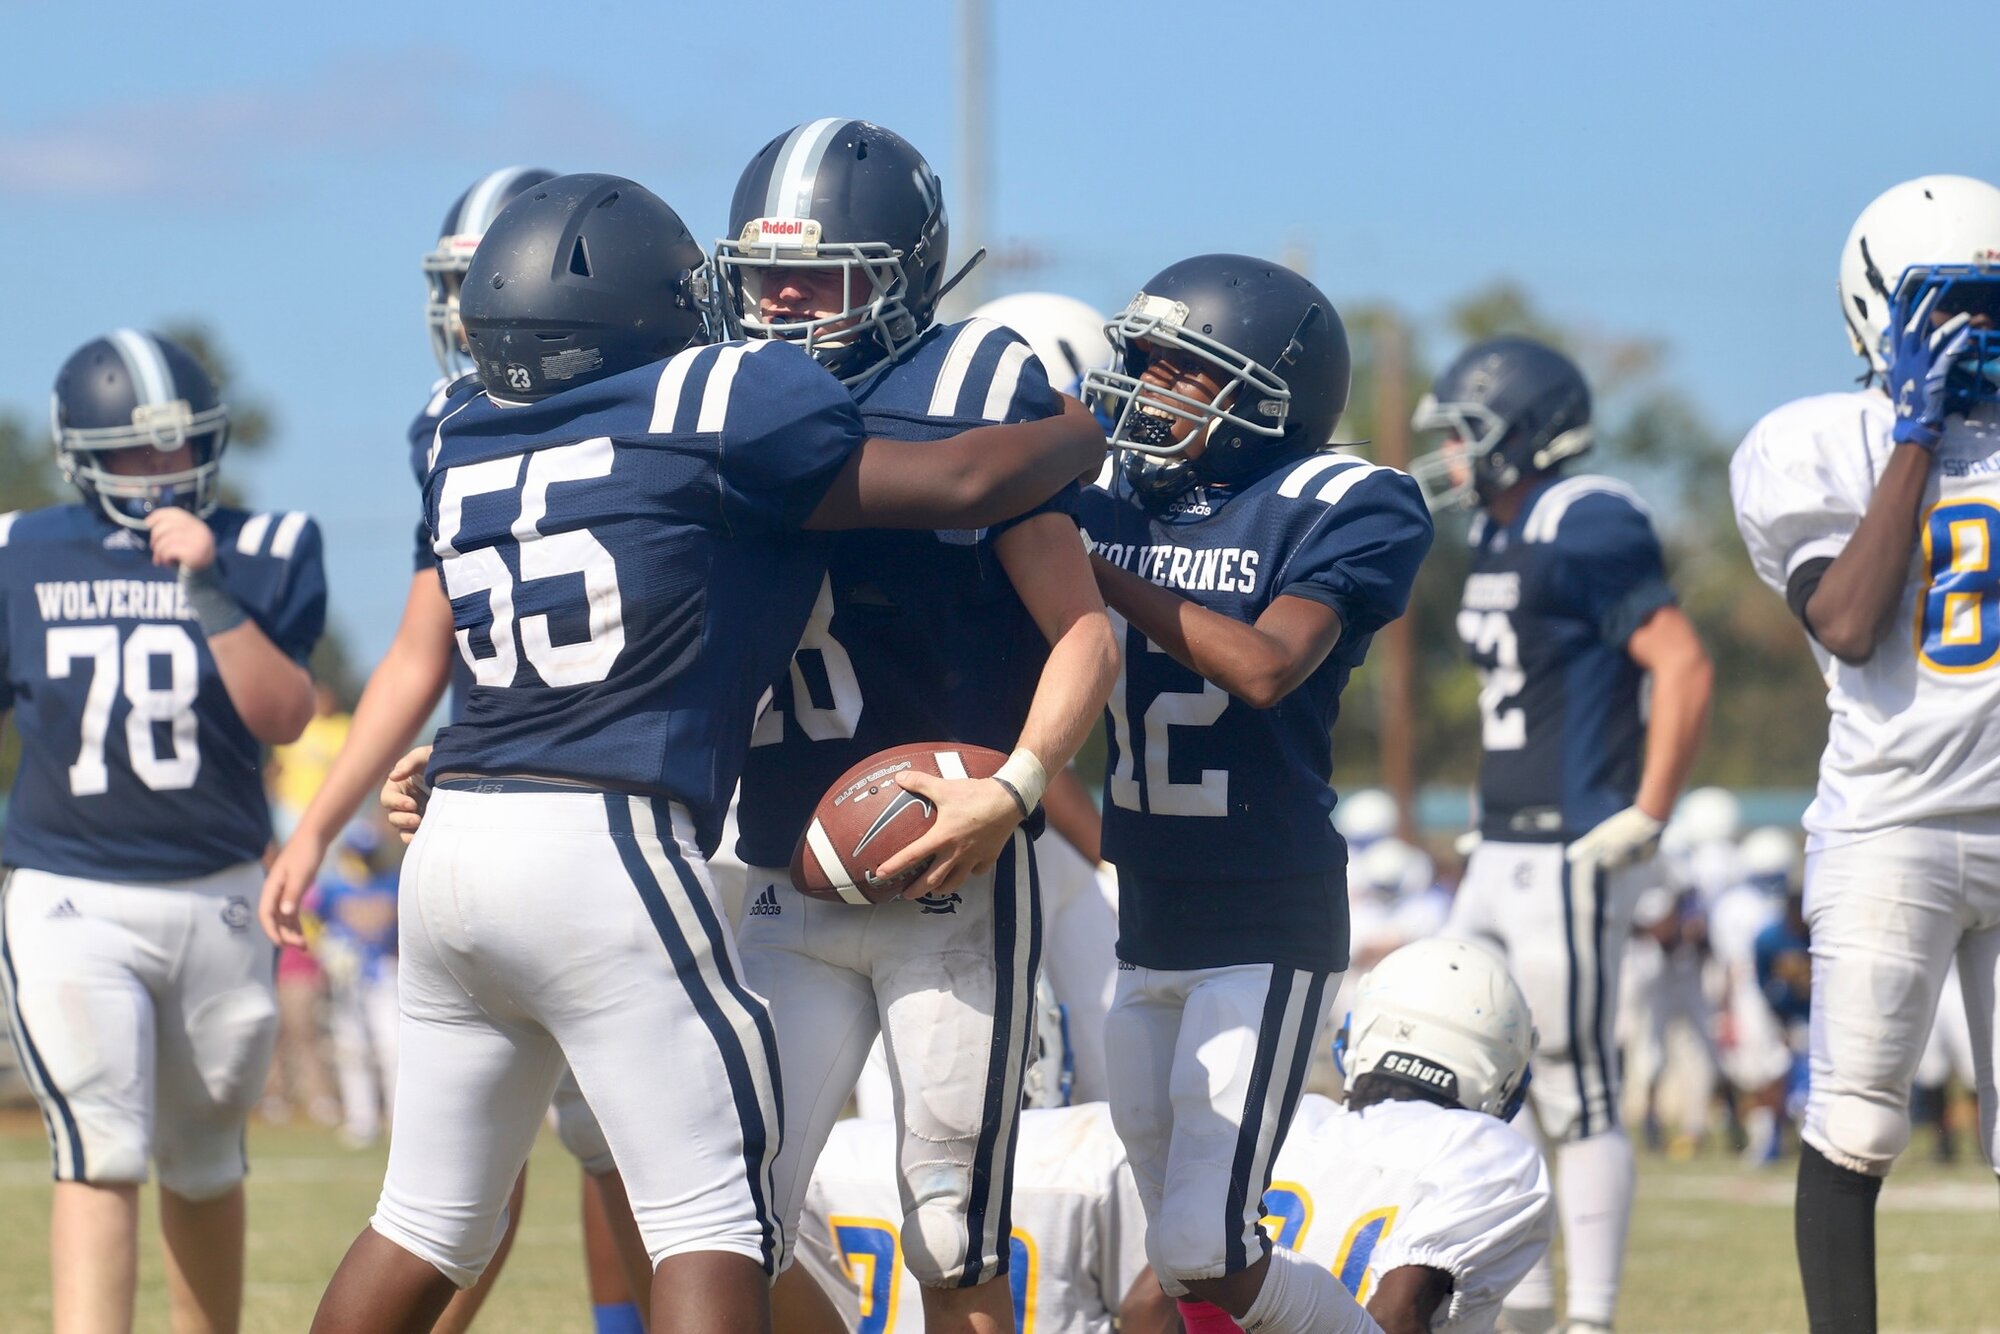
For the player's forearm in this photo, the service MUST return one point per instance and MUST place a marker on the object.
(1082, 667)
(400, 695)
(271, 694)
(1852, 609)
(1682, 687)
(1248, 663)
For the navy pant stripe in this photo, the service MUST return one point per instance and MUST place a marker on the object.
(41, 1068)
(1599, 946)
(742, 1087)
(760, 1014)
(1004, 1073)
(1577, 1047)
(1235, 1256)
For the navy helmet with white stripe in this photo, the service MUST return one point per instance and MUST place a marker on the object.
(1511, 408)
(1269, 338)
(580, 278)
(129, 391)
(447, 261)
(844, 195)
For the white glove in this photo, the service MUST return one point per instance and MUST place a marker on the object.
(1627, 837)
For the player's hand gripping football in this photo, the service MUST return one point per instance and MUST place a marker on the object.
(406, 793)
(1627, 837)
(975, 818)
(1920, 360)
(180, 538)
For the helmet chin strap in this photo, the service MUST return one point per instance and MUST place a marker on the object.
(959, 277)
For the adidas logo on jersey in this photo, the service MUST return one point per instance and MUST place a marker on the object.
(767, 904)
(63, 910)
(1194, 503)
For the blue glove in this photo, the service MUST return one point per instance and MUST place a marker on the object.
(1920, 359)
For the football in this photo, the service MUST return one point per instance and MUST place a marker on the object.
(867, 817)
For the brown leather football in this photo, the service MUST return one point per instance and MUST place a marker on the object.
(867, 817)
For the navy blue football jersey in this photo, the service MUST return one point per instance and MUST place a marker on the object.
(1549, 604)
(627, 569)
(916, 636)
(1218, 815)
(134, 764)
(422, 436)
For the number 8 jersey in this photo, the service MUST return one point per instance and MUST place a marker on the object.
(134, 764)
(1915, 730)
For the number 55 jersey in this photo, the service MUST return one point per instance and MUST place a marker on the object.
(1205, 792)
(1915, 730)
(134, 763)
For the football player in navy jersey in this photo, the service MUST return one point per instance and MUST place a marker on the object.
(624, 522)
(153, 643)
(402, 693)
(995, 636)
(1250, 566)
(1567, 610)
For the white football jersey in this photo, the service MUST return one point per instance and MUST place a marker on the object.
(1412, 1183)
(1915, 732)
(1079, 1233)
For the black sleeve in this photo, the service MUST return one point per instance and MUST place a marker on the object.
(1801, 586)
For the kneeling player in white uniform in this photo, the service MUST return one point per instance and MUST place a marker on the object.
(1876, 516)
(1416, 1193)
(1566, 612)
(1078, 1243)
(138, 988)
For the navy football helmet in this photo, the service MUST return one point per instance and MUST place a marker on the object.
(580, 278)
(846, 195)
(1512, 408)
(445, 265)
(137, 391)
(1269, 337)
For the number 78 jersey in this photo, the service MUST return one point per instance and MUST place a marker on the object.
(1915, 730)
(1201, 786)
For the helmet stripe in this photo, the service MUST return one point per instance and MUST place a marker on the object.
(152, 378)
(790, 193)
(495, 188)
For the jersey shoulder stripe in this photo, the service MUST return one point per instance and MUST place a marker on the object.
(965, 345)
(286, 540)
(283, 530)
(7, 525)
(692, 394)
(1554, 504)
(250, 538)
(1347, 471)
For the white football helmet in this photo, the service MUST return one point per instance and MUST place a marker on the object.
(1445, 1015)
(1707, 815)
(1051, 1064)
(1067, 336)
(1364, 816)
(1933, 220)
(1771, 854)
(1391, 868)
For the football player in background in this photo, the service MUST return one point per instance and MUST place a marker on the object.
(1416, 1194)
(838, 243)
(402, 693)
(1874, 513)
(1755, 1055)
(1249, 566)
(604, 734)
(1566, 613)
(1078, 1242)
(154, 642)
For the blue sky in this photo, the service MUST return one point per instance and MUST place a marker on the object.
(1684, 172)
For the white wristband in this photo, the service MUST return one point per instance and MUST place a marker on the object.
(1025, 778)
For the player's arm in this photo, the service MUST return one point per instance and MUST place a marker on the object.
(1668, 648)
(402, 691)
(974, 479)
(1148, 1310)
(1045, 561)
(1259, 663)
(1849, 602)
(272, 694)
(1408, 1297)
(1074, 816)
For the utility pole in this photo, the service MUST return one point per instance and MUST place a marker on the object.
(974, 44)
(1398, 640)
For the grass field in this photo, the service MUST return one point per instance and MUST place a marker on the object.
(1711, 1247)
